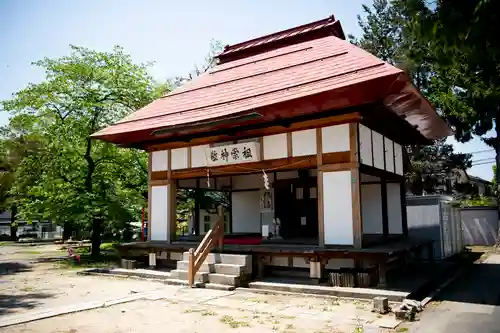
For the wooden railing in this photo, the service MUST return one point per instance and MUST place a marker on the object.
(214, 237)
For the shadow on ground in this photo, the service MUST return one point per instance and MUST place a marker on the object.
(9, 268)
(11, 303)
(479, 285)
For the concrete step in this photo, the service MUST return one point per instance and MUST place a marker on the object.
(216, 286)
(230, 280)
(204, 268)
(229, 269)
(177, 282)
(224, 258)
(183, 275)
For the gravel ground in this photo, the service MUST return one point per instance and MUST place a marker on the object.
(28, 288)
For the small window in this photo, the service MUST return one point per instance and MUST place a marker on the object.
(206, 227)
(206, 218)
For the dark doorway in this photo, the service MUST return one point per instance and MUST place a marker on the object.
(296, 206)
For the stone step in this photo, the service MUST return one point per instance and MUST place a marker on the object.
(183, 275)
(204, 268)
(224, 258)
(229, 269)
(230, 280)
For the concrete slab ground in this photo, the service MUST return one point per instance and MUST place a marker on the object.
(470, 304)
(27, 289)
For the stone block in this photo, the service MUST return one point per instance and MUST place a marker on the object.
(381, 305)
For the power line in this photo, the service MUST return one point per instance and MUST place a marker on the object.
(480, 151)
(492, 162)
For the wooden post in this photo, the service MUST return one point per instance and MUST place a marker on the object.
(319, 188)
(357, 224)
(220, 232)
(382, 273)
(191, 268)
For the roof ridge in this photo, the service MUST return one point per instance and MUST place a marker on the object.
(234, 47)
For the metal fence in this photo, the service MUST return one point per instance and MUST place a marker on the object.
(479, 225)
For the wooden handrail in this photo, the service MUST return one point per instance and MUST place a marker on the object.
(214, 237)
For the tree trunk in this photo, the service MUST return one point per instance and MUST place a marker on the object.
(13, 224)
(96, 237)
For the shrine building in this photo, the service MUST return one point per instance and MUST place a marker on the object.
(300, 136)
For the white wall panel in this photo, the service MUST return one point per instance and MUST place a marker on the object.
(389, 155)
(371, 208)
(365, 145)
(159, 160)
(275, 146)
(304, 143)
(335, 138)
(159, 213)
(179, 158)
(394, 208)
(398, 156)
(378, 150)
(198, 157)
(337, 208)
(246, 211)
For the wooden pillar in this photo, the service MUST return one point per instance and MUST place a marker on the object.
(150, 166)
(319, 179)
(172, 202)
(357, 224)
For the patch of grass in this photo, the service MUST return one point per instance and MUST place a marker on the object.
(27, 289)
(232, 322)
(188, 310)
(87, 261)
(32, 252)
(208, 313)
(108, 246)
(402, 329)
(290, 327)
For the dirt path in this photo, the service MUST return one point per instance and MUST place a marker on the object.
(27, 288)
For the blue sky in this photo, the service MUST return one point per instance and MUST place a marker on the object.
(174, 34)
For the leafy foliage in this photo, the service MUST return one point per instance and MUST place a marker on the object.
(72, 178)
(388, 33)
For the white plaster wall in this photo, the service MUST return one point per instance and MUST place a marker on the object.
(304, 143)
(371, 208)
(365, 145)
(247, 182)
(279, 261)
(246, 211)
(378, 150)
(337, 208)
(398, 156)
(335, 138)
(275, 146)
(394, 208)
(389, 155)
(179, 158)
(159, 160)
(198, 157)
(176, 255)
(159, 213)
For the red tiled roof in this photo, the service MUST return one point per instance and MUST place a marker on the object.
(293, 72)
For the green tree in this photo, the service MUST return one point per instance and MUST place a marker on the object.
(387, 32)
(465, 52)
(77, 179)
